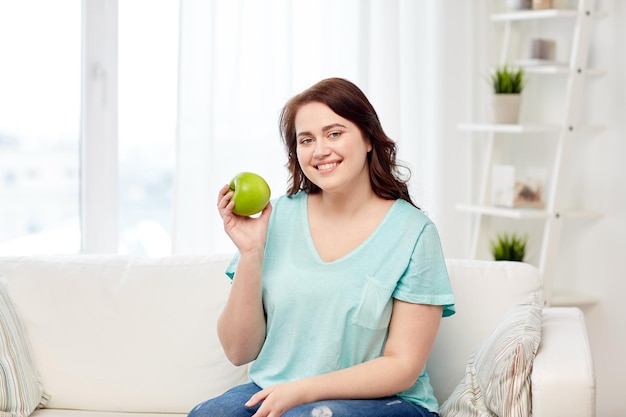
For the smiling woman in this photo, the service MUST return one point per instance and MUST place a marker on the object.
(319, 252)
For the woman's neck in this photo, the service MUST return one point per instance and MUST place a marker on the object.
(346, 203)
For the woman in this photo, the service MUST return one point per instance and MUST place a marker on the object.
(339, 286)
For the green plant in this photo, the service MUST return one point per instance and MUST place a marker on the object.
(505, 80)
(509, 247)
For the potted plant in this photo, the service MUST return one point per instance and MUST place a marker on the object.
(509, 247)
(507, 84)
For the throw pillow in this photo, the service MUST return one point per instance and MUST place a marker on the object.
(497, 374)
(21, 392)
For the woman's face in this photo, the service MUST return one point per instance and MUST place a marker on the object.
(331, 150)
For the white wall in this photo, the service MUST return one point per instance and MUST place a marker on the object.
(590, 258)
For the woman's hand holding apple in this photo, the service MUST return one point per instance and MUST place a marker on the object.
(247, 233)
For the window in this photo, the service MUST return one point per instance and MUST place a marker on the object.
(96, 176)
(39, 126)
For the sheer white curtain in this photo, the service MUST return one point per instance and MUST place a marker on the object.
(240, 61)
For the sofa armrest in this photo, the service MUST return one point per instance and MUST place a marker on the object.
(563, 378)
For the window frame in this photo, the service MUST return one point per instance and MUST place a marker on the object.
(99, 128)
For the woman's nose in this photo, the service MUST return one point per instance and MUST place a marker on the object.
(321, 149)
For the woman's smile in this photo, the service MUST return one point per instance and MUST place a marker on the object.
(328, 166)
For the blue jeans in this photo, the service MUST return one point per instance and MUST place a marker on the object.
(231, 404)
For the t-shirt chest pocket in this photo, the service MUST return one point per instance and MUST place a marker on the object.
(375, 306)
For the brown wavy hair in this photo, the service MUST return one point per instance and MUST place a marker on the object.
(348, 101)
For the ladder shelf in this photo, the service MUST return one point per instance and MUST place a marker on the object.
(549, 218)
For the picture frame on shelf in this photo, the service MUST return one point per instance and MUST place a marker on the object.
(518, 187)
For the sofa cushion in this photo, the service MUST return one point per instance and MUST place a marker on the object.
(21, 391)
(497, 376)
(119, 333)
(484, 293)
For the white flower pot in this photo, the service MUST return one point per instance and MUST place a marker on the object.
(505, 108)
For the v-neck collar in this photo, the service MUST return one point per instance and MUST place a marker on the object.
(304, 210)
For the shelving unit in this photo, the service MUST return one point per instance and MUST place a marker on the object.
(562, 133)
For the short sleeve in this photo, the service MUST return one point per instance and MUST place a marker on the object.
(426, 280)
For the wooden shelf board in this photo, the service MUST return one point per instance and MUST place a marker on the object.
(542, 67)
(534, 14)
(520, 129)
(513, 213)
(542, 14)
(525, 213)
(502, 128)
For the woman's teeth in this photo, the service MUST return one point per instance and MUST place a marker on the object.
(324, 167)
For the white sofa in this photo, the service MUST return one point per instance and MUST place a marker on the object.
(118, 336)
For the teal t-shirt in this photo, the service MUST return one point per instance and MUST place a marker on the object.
(326, 316)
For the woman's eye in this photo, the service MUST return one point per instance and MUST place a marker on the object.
(334, 135)
(304, 141)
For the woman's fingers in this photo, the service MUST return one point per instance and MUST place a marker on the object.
(221, 194)
(224, 200)
(265, 214)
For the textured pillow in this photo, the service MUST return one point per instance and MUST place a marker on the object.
(497, 374)
(21, 391)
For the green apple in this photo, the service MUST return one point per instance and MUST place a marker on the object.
(250, 193)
